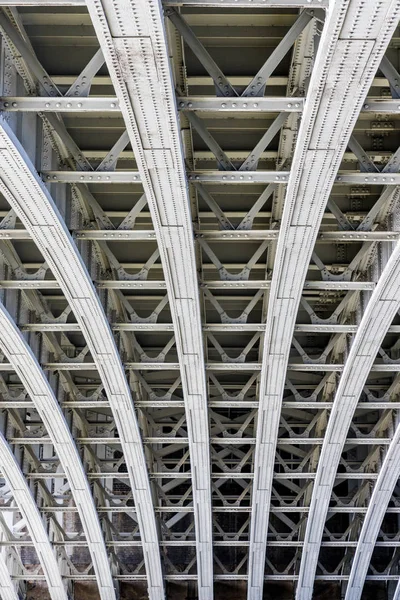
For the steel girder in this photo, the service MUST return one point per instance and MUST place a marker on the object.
(319, 150)
(140, 71)
(379, 313)
(25, 364)
(42, 220)
(39, 536)
(132, 290)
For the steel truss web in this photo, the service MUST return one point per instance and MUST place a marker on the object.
(199, 255)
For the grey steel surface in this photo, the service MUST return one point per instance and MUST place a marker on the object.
(199, 229)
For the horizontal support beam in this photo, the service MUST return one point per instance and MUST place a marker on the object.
(136, 284)
(187, 476)
(251, 177)
(216, 543)
(59, 104)
(216, 509)
(210, 327)
(184, 103)
(202, 3)
(214, 366)
(90, 176)
(225, 577)
(149, 235)
(183, 441)
(99, 404)
(247, 4)
(209, 104)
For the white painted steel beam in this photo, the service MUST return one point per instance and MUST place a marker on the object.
(8, 590)
(379, 314)
(132, 37)
(206, 3)
(149, 235)
(30, 512)
(31, 201)
(185, 103)
(210, 366)
(23, 361)
(251, 177)
(348, 57)
(382, 308)
(91, 177)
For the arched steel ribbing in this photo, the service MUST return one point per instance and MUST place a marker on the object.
(7, 588)
(39, 536)
(132, 38)
(28, 369)
(381, 310)
(353, 41)
(27, 195)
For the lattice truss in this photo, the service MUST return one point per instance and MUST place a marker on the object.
(200, 296)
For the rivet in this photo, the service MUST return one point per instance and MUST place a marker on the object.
(69, 105)
(58, 105)
(223, 105)
(79, 105)
(112, 105)
(14, 104)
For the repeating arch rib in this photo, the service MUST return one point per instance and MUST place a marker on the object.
(381, 310)
(352, 44)
(26, 504)
(25, 364)
(132, 37)
(7, 587)
(27, 195)
(379, 314)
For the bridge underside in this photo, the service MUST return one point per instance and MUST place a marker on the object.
(199, 299)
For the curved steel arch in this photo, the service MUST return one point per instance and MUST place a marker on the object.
(379, 314)
(7, 587)
(25, 364)
(132, 37)
(381, 310)
(348, 57)
(27, 506)
(27, 195)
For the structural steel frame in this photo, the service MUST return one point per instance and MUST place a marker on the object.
(225, 381)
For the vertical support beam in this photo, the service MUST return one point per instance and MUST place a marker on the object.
(348, 57)
(137, 57)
